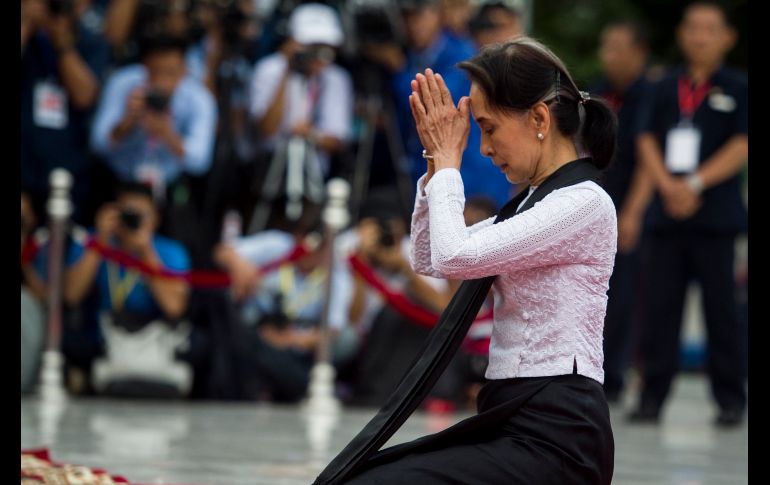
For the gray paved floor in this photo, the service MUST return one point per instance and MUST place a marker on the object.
(234, 444)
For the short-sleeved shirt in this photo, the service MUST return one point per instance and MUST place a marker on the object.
(302, 294)
(722, 115)
(139, 300)
(347, 244)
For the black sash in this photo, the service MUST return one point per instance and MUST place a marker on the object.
(442, 342)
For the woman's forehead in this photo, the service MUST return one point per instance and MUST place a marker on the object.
(479, 106)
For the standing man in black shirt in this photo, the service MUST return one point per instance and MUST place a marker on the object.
(694, 143)
(623, 51)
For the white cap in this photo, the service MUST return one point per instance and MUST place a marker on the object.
(315, 23)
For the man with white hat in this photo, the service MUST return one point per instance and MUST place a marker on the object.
(298, 90)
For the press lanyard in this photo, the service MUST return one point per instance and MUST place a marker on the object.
(312, 287)
(313, 94)
(615, 101)
(120, 288)
(691, 97)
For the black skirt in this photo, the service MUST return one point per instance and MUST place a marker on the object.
(529, 430)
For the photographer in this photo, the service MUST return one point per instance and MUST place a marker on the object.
(61, 68)
(299, 91)
(129, 225)
(281, 309)
(154, 123)
(126, 21)
(389, 339)
(223, 32)
(140, 317)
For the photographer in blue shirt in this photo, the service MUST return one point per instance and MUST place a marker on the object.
(155, 122)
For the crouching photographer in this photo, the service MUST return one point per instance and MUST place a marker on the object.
(281, 302)
(141, 313)
(377, 251)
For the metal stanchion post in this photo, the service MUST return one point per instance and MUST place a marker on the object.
(51, 388)
(335, 218)
(59, 209)
(322, 405)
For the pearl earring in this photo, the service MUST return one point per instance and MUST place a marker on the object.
(540, 136)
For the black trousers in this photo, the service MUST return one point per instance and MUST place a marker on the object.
(621, 322)
(672, 261)
(529, 431)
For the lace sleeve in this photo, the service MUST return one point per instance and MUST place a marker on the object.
(419, 249)
(570, 225)
(481, 225)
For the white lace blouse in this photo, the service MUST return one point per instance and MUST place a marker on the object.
(554, 263)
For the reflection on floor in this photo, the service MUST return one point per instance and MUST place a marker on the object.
(234, 444)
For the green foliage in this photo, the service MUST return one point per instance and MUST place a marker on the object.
(572, 27)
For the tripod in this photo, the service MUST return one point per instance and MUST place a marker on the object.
(377, 105)
(295, 163)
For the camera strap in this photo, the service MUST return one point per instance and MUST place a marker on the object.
(310, 289)
(119, 287)
(442, 343)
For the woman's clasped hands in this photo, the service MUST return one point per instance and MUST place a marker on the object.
(442, 127)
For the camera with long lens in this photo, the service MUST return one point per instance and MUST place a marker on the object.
(157, 100)
(130, 219)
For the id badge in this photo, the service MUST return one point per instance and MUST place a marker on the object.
(148, 173)
(683, 149)
(49, 108)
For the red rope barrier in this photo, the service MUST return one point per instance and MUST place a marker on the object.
(197, 278)
(398, 301)
(29, 251)
(220, 279)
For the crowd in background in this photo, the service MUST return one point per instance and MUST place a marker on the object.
(200, 135)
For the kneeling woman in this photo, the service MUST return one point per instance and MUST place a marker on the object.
(543, 418)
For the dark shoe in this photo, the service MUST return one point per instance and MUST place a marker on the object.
(645, 415)
(729, 418)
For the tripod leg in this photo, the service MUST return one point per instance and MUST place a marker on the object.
(398, 157)
(315, 179)
(363, 158)
(269, 190)
(297, 152)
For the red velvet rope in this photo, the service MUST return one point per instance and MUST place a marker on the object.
(197, 278)
(29, 251)
(398, 301)
(220, 279)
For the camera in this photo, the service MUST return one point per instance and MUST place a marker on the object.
(306, 55)
(130, 219)
(157, 101)
(387, 239)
